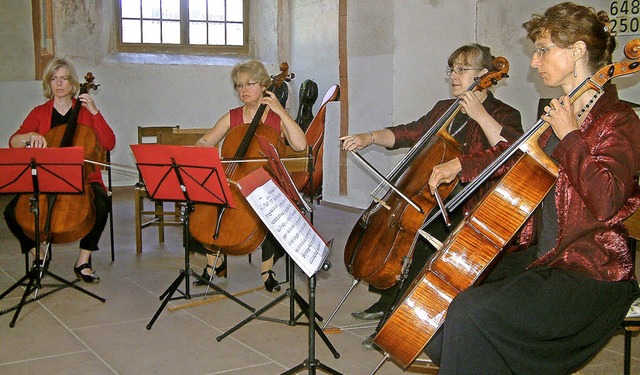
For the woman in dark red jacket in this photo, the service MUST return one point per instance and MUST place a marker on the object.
(60, 84)
(558, 305)
(483, 128)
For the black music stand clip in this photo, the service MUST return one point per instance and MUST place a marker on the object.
(184, 174)
(36, 171)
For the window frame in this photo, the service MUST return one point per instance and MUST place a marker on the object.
(183, 47)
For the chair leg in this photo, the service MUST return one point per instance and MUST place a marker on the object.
(111, 233)
(627, 352)
(160, 218)
(137, 202)
(178, 211)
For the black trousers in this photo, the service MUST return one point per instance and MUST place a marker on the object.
(102, 206)
(540, 320)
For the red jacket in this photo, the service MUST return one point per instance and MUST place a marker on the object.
(596, 190)
(39, 120)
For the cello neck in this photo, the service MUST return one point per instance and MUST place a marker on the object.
(67, 138)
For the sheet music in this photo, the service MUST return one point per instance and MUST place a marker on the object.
(289, 226)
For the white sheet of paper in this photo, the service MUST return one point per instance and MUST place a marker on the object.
(289, 227)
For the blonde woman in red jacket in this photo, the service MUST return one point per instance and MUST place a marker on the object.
(60, 84)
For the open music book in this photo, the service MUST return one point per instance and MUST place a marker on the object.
(288, 225)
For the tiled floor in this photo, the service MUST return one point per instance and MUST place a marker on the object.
(71, 333)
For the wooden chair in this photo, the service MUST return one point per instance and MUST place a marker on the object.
(200, 131)
(150, 135)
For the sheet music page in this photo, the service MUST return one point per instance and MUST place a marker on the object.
(289, 226)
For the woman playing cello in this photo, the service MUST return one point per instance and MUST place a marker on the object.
(550, 308)
(483, 122)
(250, 80)
(60, 84)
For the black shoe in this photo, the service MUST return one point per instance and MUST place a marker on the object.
(271, 284)
(373, 312)
(91, 278)
(221, 271)
(363, 315)
(368, 342)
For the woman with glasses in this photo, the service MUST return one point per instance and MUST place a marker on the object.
(552, 307)
(250, 81)
(484, 127)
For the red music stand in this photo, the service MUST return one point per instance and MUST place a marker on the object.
(184, 174)
(35, 171)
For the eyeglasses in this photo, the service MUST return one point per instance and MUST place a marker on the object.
(541, 51)
(242, 86)
(459, 71)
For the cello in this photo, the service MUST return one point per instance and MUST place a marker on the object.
(238, 231)
(310, 183)
(386, 232)
(66, 217)
(479, 240)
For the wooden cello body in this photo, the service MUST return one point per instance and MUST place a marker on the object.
(383, 236)
(238, 231)
(315, 140)
(479, 240)
(65, 217)
(386, 232)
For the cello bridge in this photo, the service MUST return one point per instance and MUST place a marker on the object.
(381, 202)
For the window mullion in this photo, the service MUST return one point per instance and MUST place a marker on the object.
(184, 23)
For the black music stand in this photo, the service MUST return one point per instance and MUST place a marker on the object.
(184, 174)
(35, 171)
(249, 183)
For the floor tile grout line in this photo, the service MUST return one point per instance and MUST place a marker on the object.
(43, 357)
(71, 331)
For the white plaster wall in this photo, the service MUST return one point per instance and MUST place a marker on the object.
(397, 59)
(314, 47)
(16, 50)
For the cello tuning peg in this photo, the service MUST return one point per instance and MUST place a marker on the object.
(494, 81)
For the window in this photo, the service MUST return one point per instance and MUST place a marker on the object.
(183, 26)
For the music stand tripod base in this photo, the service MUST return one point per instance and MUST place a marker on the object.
(311, 363)
(35, 171)
(32, 280)
(184, 174)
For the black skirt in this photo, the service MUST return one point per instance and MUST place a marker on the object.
(529, 321)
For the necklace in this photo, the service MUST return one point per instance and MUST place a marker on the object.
(453, 134)
(588, 105)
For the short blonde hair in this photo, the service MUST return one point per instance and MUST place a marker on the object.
(256, 71)
(51, 69)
